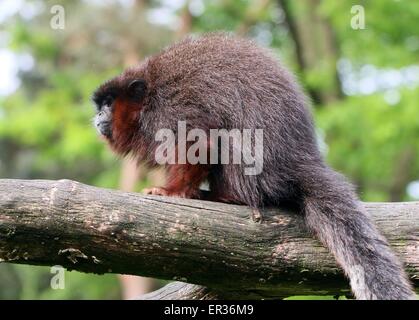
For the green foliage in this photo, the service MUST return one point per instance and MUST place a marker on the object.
(29, 282)
(367, 136)
(390, 37)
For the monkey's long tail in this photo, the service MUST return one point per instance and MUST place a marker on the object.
(334, 213)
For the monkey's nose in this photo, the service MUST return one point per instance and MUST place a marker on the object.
(104, 128)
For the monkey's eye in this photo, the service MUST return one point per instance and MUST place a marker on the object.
(108, 100)
(137, 89)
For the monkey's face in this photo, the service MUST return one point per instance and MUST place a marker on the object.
(119, 103)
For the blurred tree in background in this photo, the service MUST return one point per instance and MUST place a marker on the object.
(364, 86)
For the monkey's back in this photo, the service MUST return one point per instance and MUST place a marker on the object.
(225, 82)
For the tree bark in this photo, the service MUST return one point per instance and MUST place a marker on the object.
(205, 243)
(181, 291)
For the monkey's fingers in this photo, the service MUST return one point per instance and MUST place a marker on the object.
(257, 216)
(155, 191)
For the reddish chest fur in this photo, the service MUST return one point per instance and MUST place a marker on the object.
(124, 125)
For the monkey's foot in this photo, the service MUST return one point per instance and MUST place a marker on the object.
(156, 191)
(257, 216)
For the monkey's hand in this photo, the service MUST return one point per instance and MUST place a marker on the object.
(160, 191)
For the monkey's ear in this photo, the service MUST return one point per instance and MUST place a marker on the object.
(137, 89)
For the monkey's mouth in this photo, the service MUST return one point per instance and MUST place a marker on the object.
(104, 128)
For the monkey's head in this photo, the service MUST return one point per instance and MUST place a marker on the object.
(119, 104)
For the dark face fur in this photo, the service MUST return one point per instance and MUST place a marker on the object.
(119, 103)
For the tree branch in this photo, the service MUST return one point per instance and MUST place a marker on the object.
(181, 291)
(206, 243)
